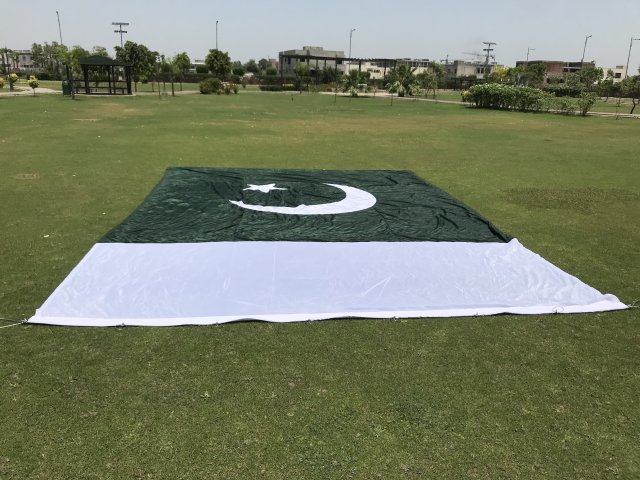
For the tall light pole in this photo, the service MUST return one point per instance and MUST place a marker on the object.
(350, 37)
(59, 29)
(217, 34)
(526, 64)
(120, 31)
(584, 49)
(626, 70)
(69, 70)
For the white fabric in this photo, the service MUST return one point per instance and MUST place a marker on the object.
(354, 201)
(206, 283)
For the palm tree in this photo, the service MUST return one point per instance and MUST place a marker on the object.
(402, 80)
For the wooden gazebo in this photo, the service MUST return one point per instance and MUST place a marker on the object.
(116, 74)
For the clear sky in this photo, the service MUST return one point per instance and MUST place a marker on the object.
(417, 29)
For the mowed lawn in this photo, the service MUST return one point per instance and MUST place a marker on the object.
(502, 397)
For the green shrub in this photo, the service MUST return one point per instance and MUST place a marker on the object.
(1, 82)
(211, 85)
(271, 88)
(507, 97)
(586, 100)
(566, 105)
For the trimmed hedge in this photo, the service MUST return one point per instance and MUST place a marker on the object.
(509, 97)
(285, 87)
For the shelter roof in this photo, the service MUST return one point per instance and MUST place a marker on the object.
(100, 60)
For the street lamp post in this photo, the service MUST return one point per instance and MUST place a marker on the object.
(350, 37)
(584, 49)
(216, 34)
(68, 67)
(526, 64)
(626, 70)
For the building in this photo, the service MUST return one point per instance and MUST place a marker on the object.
(619, 73)
(466, 68)
(18, 61)
(316, 58)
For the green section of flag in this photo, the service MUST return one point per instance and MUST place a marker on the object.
(194, 205)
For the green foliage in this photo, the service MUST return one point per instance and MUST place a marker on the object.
(585, 101)
(182, 62)
(33, 83)
(428, 82)
(218, 63)
(1, 82)
(570, 89)
(75, 56)
(630, 88)
(508, 97)
(211, 85)
(239, 71)
(401, 80)
(142, 60)
(251, 66)
(271, 71)
(352, 81)
(285, 87)
(100, 51)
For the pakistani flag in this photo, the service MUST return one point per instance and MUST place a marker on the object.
(219, 245)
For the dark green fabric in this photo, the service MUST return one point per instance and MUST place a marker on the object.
(193, 205)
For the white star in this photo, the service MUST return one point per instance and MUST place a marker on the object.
(263, 188)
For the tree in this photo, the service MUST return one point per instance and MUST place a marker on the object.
(142, 60)
(37, 55)
(353, 80)
(251, 66)
(6, 58)
(630, 88)
(534, 74)
(402, 80)
(75, 56)
(100, 51)
(239, 71)
(263, 64)
(302, 74)
(33, 83)
(271, 71)
(428, 82)
(182, 62)
(218, 63)
(590, 75)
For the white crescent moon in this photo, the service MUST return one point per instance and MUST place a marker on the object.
(355, 201)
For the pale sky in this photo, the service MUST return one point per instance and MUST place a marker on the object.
(416, 29)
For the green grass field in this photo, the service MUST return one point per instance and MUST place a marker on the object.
(503, 397)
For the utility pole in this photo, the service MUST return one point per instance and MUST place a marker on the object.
(120, 31)
(217, 34)
(488, 50)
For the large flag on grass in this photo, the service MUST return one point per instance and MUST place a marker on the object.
(218, 245)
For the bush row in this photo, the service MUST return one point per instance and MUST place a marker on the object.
(526, 99)
(285, 87)
(214, 85)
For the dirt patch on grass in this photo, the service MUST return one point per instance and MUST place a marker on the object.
(583, 200)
